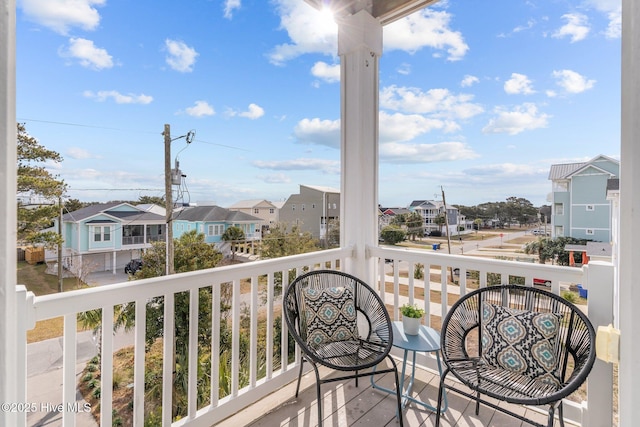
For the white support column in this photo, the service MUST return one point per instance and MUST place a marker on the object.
(359, 47)
(629, 373)
(8, 213)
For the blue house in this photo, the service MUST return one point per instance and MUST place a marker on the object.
(212, 221)
(106, 236)
(579, 204)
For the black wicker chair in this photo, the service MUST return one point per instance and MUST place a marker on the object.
(355, 341)
(476, 338)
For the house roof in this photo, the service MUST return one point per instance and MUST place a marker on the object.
(565, 170)
(134, 214)
(394, 211)
(434, 203)
(247, 204)
(213, 214)
(321, 188)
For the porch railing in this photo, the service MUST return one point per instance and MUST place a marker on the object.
(255, 284)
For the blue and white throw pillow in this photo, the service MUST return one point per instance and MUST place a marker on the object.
(330, 315)
(521, 341)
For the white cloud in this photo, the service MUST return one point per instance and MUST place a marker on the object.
(62, 15)
(613, 11)
(230, 6)
(80, 154)
(405, 127)
(426, 28)
(254, 112)
(518, 84)
(326, 72)
(274, 178)
(320, 132)
(180, 56)
(437, 102)
(119, 98)
(87, 54)
(200, 109)
(521, 118)
(425, 153)
(404, 69)
(309, 30)
(303, 164)
(572, 82)
(577, 27)
(469, 80)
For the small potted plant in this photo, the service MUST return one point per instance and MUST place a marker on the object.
(411, 315)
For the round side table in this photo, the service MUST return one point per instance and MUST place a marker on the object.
(427, 340)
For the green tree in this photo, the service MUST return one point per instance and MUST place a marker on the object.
(440, 220)
(154, 200)
(550, 249)
(392, 234)
(72, 205)
(333, 233)
(414, 225)
(280, 242)
(35, 180)
(233, 235)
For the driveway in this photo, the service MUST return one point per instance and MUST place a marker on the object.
(100, 278)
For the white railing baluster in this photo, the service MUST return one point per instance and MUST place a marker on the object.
(69, 370)
(215, 345)
(168, 355)
(269, 334)
(284, 331)
(253, 337)
(106, 367)
(194, 297)
(138, 362)
(235, 338)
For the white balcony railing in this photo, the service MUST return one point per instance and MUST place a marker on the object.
(268, 373)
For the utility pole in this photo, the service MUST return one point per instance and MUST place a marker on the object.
(168, 200)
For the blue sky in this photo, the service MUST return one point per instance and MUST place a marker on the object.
(479, 98)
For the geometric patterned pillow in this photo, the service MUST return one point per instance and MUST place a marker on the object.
(330, 315)
(521, 341)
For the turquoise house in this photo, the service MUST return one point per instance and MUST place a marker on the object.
(104, 237)
(579, 204)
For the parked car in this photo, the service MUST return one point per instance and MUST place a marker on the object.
(133, 266)
(542, 282)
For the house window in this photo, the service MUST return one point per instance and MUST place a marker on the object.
(271, 210)
(102, 234)
(215, 229)
(313, 206)
(558, 208)
(256, 211)
(590, 232)
(293, 207)
(591, 208)
(559, 231)
(302, 206)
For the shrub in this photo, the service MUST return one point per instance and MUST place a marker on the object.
(572, 297)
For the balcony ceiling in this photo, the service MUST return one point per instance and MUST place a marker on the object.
(386, 11)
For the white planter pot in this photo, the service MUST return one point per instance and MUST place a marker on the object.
(411, 325)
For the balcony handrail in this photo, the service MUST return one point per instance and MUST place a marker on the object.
(80, 300)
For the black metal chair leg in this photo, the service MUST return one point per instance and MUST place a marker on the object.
(299, 376)
(552, 411)
(440, 395)
(398, 392)
(561, 414)
(319, 394)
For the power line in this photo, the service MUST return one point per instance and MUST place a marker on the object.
(122, 130)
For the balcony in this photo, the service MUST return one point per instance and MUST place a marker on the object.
(261, 373)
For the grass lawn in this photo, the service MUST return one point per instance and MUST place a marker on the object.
(40, 283)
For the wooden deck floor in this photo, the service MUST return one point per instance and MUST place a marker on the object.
(348, 405)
